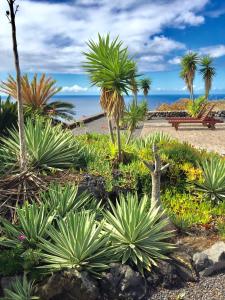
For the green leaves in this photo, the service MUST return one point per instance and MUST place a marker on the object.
(145, 85)
(63, 199)
(48, 147)
(137, 233)
(20, 290)
(8, 115)
(33, 222)
(77, 242)
(213, 179)
(194, 107)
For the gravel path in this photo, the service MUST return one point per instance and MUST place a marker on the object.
(195, 134)
(99, 126)
(209, 288)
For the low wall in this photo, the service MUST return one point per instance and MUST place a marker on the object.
(180, 113)
(86, 120)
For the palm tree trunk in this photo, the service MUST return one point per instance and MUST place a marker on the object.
(23, 162)
(111, 131)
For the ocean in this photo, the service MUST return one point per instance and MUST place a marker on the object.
(89, 105)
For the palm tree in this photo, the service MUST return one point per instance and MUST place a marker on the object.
(188, 69)
(36, 94)
(208, 72)
(145, 85)
(111, 69)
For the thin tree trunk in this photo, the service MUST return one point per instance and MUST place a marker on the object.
(111, 131)
(119, 142)
(156, 184)
(129, 137)
(23, 162)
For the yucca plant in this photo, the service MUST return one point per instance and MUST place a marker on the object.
(194, 107)
(137, 234)
(156, 138)
(48, 147)
(134, 113)
(20, 289)
(145, 85)
(188, 69)
(33, 222)
(76, 243)
(213, 184)
(208, 72)
(63, 199)
(8, 115)
(109, 66)
(36, 95)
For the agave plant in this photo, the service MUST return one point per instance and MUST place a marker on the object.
(20, 289)
(156, 138)
(213, 184)
(110, 68)
(137, 233)
(36, 95)
(8, 115)
(63, 199)
(33, 222)
(48, 147)
(79, 243)
(194, 107)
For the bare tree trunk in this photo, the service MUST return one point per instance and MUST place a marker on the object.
(11, 16)
(119, 142)
(111, 131)
(156, 170)
(129, 137)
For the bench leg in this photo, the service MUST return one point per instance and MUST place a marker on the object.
(176, 126)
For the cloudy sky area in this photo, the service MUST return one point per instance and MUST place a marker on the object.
(52, 36)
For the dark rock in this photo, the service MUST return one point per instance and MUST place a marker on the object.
(201, 261)
(122, 282)
(179, 113)
(217, 268)
(69, 285)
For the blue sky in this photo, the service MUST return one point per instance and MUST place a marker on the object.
(52, 36)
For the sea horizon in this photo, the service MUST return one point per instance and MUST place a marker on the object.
(87, 105)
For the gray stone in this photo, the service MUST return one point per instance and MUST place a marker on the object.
(201, 261)
(216, 252)
(69, 285)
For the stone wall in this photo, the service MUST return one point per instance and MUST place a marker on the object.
(181, 113)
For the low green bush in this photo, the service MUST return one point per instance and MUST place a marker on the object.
(8, 116)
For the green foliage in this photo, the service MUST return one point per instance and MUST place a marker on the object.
(11, 262)
(77, 242)
(8, 115)
(213, 184)
(137, 234)
(186, 210)
(195, 106)
(60, 200)
(33, 222)
(158, 138)
(145, 85)
(48, 147)
(21, 289)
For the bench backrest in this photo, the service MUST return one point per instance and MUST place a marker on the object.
(207, 111)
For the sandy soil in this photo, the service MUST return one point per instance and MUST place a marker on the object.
(195, 134)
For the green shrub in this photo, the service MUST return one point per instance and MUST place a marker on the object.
(77, 242)
(11, 262)
(137, 233)
(20, 289)
(186, 210)
(8, 115)
(48, 147)
(213, 185)
(195, 106)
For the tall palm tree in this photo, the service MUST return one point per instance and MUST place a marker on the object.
(145, 85)
(207, 71)
(111, 69)
(36, 95)
(188, 69)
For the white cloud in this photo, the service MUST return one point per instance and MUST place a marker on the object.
(175, 60)
(214, 51)
(51, 37)
(74, 89)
